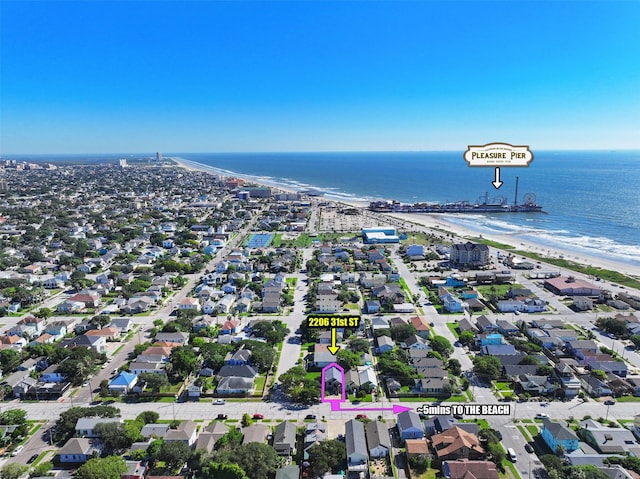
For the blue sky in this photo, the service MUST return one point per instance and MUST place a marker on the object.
(210, 76)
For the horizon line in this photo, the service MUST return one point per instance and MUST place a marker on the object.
(4, 156)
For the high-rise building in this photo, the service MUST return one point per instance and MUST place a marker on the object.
(158, 156)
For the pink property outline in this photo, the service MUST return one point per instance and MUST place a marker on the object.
(335, 403)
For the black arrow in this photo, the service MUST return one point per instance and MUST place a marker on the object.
(497, 183)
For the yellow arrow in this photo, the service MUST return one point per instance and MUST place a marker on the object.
(333, 349)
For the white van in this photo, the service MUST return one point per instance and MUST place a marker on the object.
(512, 455)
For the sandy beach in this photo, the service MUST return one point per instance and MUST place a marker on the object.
(437, 223)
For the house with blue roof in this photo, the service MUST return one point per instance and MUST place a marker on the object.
(487, 339)
(557, 434)
(123, 383)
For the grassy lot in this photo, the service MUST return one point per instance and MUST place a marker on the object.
(533, 430)
(453, 327)
(628, 399)
(428, 474)
(277, 241)
(313, 375)
(259, 385)
(460, 398)
(500, 289)
(524, 433)
(417, 238)
(292, 282)
(502, 385)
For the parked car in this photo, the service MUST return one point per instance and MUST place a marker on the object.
(221, 417)
(528, 448)
(361, 416)
(17, 451)
(310, 416)
(609, 402)
(32, 458)
(258, 416)
(219, 402)
(542, 416)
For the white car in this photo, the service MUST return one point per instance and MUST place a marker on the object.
(17, 451)
(542, 416)
(219, 402)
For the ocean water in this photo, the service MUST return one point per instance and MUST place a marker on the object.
(591, 199)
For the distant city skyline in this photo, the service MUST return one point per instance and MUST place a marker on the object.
(213, 76)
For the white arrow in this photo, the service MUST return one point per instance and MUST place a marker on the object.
(497, 183)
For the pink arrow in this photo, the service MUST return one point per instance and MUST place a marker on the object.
(396, 409)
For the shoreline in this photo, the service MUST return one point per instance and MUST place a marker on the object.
(437, 223)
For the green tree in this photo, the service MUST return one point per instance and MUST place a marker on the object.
(348, 359)
(455, 367)
(13, 471)
(110, 467)
(598, 373)
(183, 360)
(221, 471)
(156, 382)
(326, 456)
(587, 471)
(487, 367)
(43, 313)
(148, 417)
(9, 360)
(359, 345)
(246, 420)
(401, 332)
(259, 461)
(42, 469)
(114, 437)
(441, 345)
(174, 454)
(467, 338)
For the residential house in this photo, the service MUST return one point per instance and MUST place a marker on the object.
(154, 431)
(123, 324)
(189, 303)
(607, 440)
(415, 342)
(378, 440)
(322, 356)
(314, 434)
(456, 443)
(78, 450)
(255, 433)
(51, 375)
(135, 470)
(239, 358)
(466, 469)
(229, 327)
(385, 343)
(234, 385)
(422, 326)
(556, 434)
(176, 337)
(594, 387)
(123, 383)
(97, 343)
(436, 386)
(284, 438)
(186, 433)
(357, 454)
(410, 426)
(85, 426)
